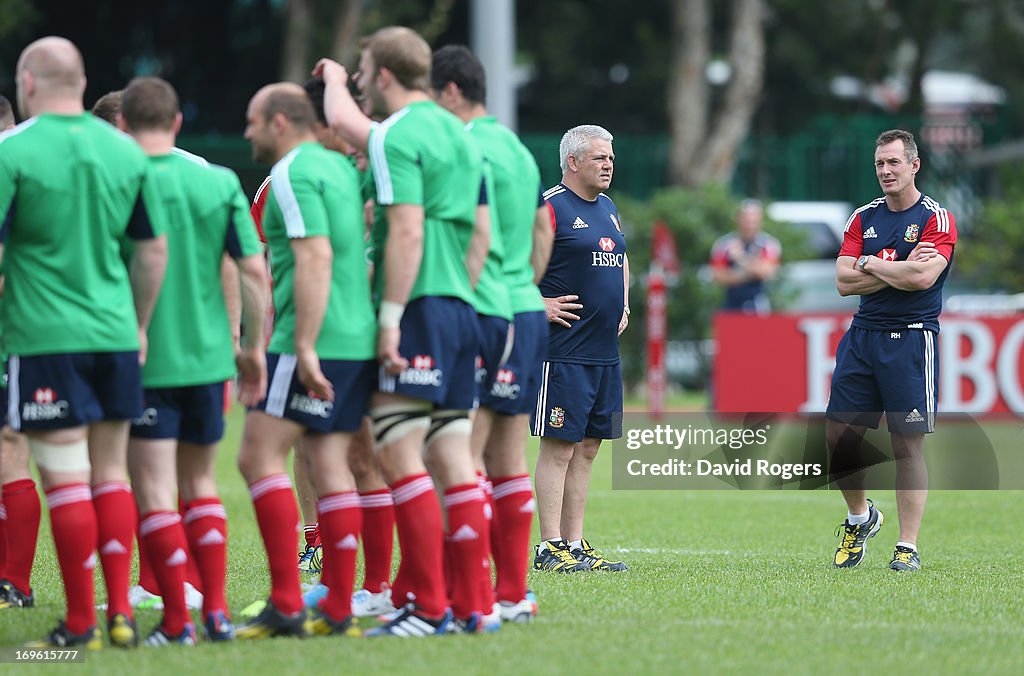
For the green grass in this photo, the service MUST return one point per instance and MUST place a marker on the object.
(720, 581)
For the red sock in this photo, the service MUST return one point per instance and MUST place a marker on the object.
(340, 519)
(115, 521)
(192, 575)
(163, 537)
(206, 526)
(485, 579)
(378, 537)
(513, 518)
(21, 502)
(73, 522)
(311, 534)
(277, 513)
(467, 542)
(147, 580)
(418, 517)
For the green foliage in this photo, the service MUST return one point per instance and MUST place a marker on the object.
(696, 217)
(15, 17)
(988, 255)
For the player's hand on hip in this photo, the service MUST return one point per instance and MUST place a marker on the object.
(311, 377)
(561, 309)
(252, 376)
(143, 346)
(331, 71)
(623, 322)
(924, 251)
(387, 351)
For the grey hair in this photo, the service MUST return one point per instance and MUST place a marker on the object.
(750, 204)
(576, 141)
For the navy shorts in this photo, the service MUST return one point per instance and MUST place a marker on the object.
(895, 372)
(56, 391)
(288, 398)
(577, 401)
(441, 339)
(193, 414)
(513, 389)
(495, 344)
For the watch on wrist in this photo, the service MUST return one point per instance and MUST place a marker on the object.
(861, 262)
(626, 310)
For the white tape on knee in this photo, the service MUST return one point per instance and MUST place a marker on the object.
(394, 421)
(72, 457)
(446, 423)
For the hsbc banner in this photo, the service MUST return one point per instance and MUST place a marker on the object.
(784, 362)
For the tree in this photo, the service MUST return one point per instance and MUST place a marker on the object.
(302, 28)
(298, 31)
(705, 138)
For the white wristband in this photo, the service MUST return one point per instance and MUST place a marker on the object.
(390, 315)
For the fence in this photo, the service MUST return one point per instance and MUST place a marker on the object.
(830, 160)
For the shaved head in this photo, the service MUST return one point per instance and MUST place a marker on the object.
(54, 61)
(288, 99)
(49, 70)
(278, 114)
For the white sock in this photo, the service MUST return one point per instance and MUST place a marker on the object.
(575, 544)
(856, 519)
(553, 541)
(908, 545)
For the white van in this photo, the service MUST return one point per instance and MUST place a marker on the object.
(823, 222)
(810, 285)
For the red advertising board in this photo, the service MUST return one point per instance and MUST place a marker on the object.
(783, 362)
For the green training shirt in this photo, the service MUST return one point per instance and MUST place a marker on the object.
(421, 155)
(490, 297)
(207, 215)
(71, 186)
(315, 193)
(516, 197)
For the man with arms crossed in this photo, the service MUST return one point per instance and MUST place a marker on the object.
(896, 254)
(580, 400)
(428, 179)
(70, 188)
(320, 358)
(191, 356)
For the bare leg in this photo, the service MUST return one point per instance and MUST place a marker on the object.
(151, 463)
(483, 422)
(911, 483)
(13, 456)
(552, 466)
(577, 485)
(844, 443)
(303, 486)
(505, 452)
(195, 471)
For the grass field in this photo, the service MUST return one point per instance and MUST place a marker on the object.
(720, 581)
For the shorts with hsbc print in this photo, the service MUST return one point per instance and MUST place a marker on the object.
(441, 340)
(288, 398)
(577, 401)
(71, 389)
